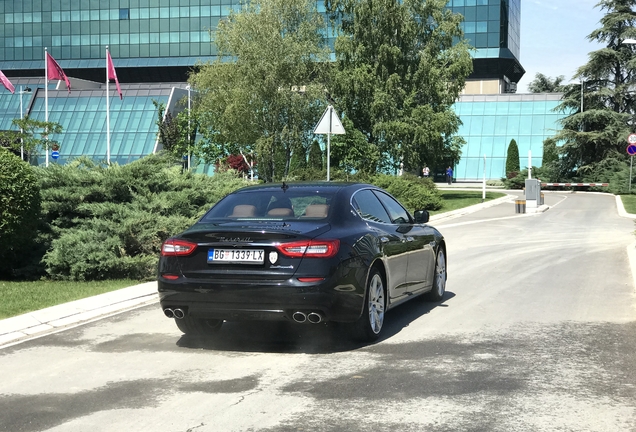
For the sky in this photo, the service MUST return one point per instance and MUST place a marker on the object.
(554, 37)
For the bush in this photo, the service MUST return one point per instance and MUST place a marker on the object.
(413, 192)
(19, 212)
(110, 222)
(519, 181)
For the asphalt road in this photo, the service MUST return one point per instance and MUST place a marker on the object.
(535, 333)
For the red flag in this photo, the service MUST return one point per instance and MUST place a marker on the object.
(112, 75)
(55, 71)
(6, 83)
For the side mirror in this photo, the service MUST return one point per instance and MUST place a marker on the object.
(421, 216)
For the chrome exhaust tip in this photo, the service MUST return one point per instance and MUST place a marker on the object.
(168, 312)
(299, 317)
(314, 317)
(179, 313)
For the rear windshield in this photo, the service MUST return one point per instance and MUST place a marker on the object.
(274, 204)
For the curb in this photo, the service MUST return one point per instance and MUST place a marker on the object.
(472, 208)
(36, 323)
(621, 208)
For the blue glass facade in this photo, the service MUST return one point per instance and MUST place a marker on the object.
(175, 34)
(493, 27)
(155, 43)
(79, 29)
(82, 115)
(490, 122)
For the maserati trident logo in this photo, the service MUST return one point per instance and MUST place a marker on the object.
(273, 256)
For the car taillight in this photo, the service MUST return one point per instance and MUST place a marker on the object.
(174, 247)
(310, 248)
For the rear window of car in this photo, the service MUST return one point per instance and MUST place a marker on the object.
(299, 204)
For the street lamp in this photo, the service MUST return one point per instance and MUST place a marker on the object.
(188, 88)
(21, 92)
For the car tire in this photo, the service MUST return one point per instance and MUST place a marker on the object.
(368, 327)
(198, 326)
(439, 283)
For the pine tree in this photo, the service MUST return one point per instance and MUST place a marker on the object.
(512, 159)
(603, 105)
(546, 84)
(315, 156)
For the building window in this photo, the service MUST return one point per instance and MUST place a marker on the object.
(124, 14)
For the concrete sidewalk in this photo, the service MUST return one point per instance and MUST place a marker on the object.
(44, 321)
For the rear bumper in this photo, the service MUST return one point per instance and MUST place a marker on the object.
(240, 300)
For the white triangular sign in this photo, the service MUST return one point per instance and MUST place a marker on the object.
(329, 124)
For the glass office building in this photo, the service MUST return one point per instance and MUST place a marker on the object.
(490, 122)
(493, 27)
(155, 43)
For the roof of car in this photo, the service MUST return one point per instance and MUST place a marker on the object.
(304, 185)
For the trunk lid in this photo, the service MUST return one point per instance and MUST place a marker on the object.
(245, 250)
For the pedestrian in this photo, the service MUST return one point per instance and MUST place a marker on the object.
(449, 175)
(426, 172)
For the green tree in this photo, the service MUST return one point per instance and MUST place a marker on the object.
(29, 135)
(549, 161)
(263, 93)
(298, 160)
(19, 212)
(352, 153)
(315, 156)
(545, 84)
(602, 108)
(175, 133)
(550, 152)
(400, 66)
(512, 159)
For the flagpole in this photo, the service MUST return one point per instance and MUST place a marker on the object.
(107, 112)
(46, 105)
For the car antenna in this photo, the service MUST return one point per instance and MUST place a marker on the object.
(284, 187)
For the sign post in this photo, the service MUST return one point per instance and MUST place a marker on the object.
(55, 150)
(631, 150)
(329, 124)
(483, 193)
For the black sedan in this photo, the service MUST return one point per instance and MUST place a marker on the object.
(305, 253)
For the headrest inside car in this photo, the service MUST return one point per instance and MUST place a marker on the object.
(243, 210)
(280, 212)
(317, 210)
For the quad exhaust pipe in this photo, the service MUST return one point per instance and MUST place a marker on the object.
(177, 313)
(312, 317)
(299, 317)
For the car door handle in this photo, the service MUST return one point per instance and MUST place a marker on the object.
(384, 239)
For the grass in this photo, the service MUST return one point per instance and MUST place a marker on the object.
(629, 202)
(454, 200)
(22, 297)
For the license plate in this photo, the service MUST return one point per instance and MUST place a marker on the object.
(239, 256)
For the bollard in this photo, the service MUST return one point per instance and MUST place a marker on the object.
(520, 206)
(541, 200)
